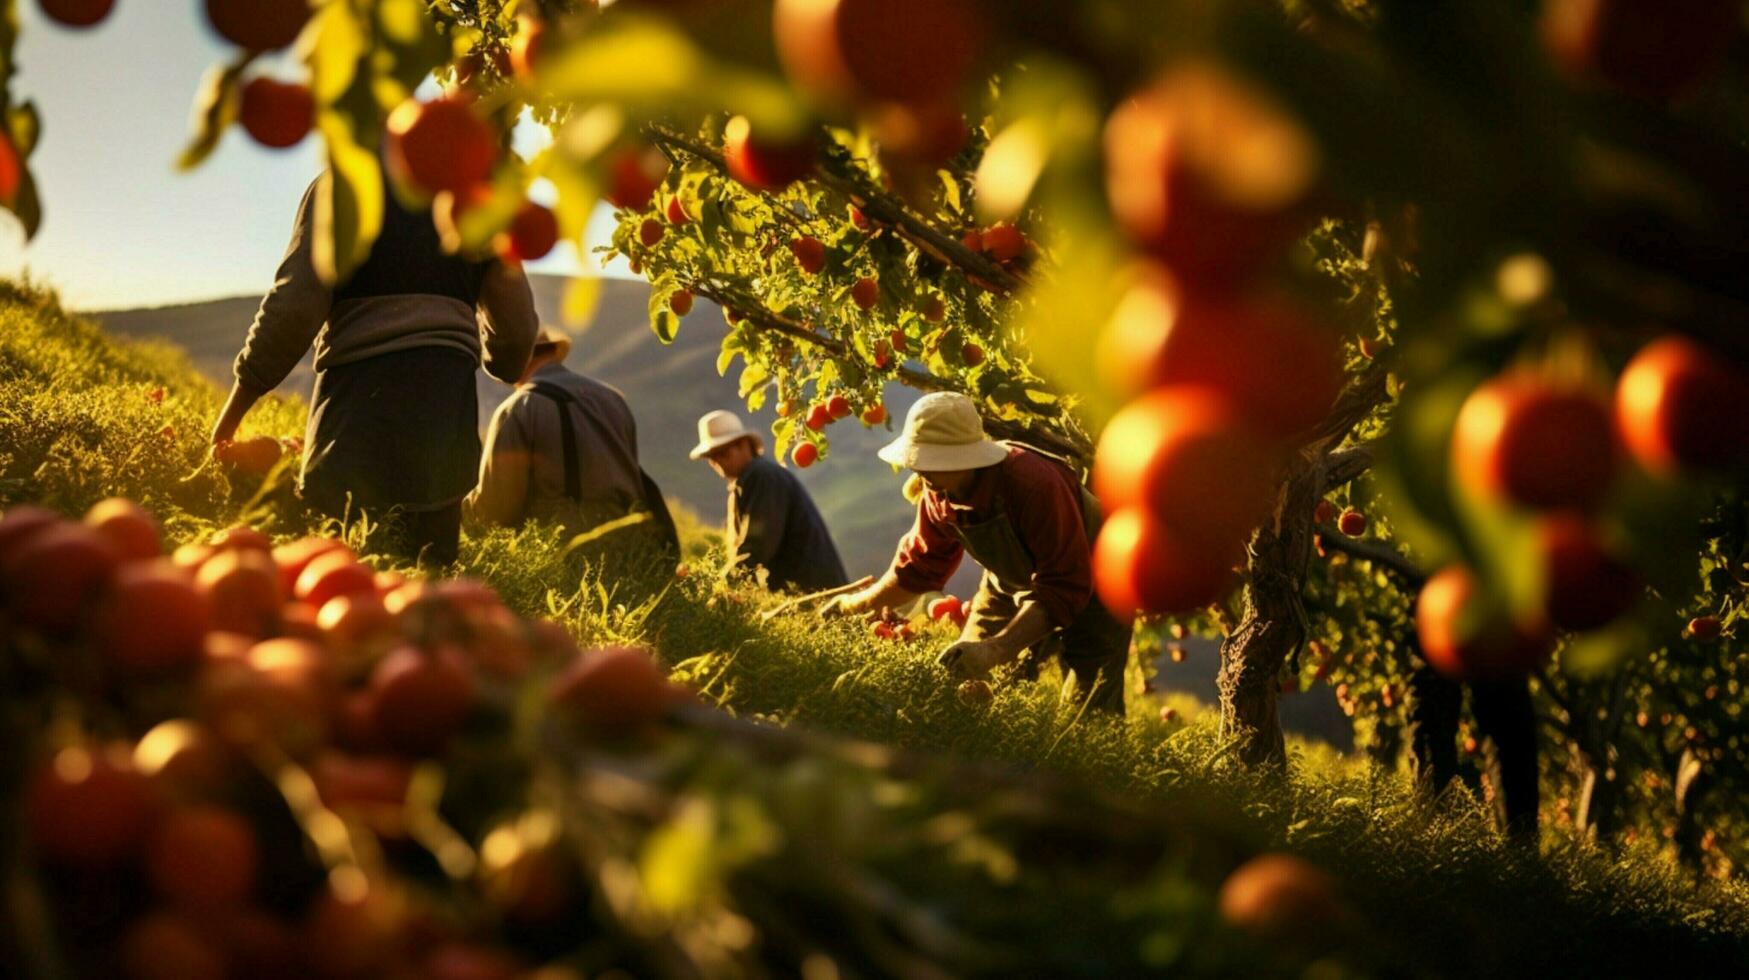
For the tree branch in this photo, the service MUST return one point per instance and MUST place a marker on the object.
(1387, 558)
(1062, 444)
(884, 208)
(1346, 466)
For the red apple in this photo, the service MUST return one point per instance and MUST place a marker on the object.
(634, 174)
(1584, 586)
(1465, 634)
(765, 164)
(1533, 442)
(1185, 455)
(127, 527)
(532, 233)
(203, 857)
(614, 690)
(258, 25)
(1209, 173)
(1352, 523)
(866, 292)
(420, 699)
(806, 454)
(680, 302)
(1679, 406)
(77, 13)
(1279, 364)
(51, 574)
(900, 50)
(441, 145)
(1138, 565)
(276, 114)
(88, 807)
(810, 254)
(152, 620)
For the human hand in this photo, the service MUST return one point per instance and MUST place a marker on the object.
(969, 659)
(848, 604)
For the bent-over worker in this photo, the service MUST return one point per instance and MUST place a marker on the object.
(772, 521)
(564, 448)
(1030, 523)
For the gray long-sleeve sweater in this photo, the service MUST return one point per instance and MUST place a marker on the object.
(407, 294)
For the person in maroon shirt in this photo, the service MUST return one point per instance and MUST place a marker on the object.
(1028, 521)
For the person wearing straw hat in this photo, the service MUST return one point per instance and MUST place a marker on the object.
(1024, 517)
(772, 521)
(564, 448)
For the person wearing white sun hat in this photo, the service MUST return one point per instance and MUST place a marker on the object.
(772, 522)
(1024, 517)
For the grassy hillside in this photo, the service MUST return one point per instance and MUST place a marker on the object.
(1133, 823)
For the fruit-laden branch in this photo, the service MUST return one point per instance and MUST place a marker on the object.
(1379, 554)
(881, 207)
(1069, 444)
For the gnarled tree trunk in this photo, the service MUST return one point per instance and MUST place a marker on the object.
(1274, 622)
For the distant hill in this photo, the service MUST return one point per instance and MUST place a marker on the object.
(668, 388)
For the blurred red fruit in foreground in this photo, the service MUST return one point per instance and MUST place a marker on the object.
(1206, 171)
(1679, 406)
(88, 808)
(1184, 454)
(1139, 566)
(1537, 444)
(1462, 640)
(613, 690)
(1584, 586)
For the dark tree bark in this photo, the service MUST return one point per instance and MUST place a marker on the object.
(1274, 624)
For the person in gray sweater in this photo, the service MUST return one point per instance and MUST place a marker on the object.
(393, 425)
(563, 448)
(772, 522)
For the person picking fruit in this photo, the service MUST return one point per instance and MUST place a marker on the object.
(1025, 518)
(394, 425)
(772, 522)
(564, 448)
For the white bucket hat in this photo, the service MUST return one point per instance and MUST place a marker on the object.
(943, 433)
(718, 429)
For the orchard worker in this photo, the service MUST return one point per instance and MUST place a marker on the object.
(1028, 521)
(564, 448)
(773, 523)
(394, 426)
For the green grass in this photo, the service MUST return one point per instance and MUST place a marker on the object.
(1438, 891)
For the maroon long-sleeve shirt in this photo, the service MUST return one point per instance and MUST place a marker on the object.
(1042, 501)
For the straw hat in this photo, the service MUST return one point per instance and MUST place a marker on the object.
(554, 337)
(943, 433)
(718, 429)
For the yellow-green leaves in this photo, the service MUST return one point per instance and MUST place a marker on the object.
(215, 108)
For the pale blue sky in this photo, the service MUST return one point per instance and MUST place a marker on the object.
(121, 228)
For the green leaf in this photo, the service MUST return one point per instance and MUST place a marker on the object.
(339, 53)
(753, 377)
(349, 205)
(215, 108)
(629, 61)
(666, 325)
(679, 868)
(411, 40)
(724, 359)
(26, 127)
